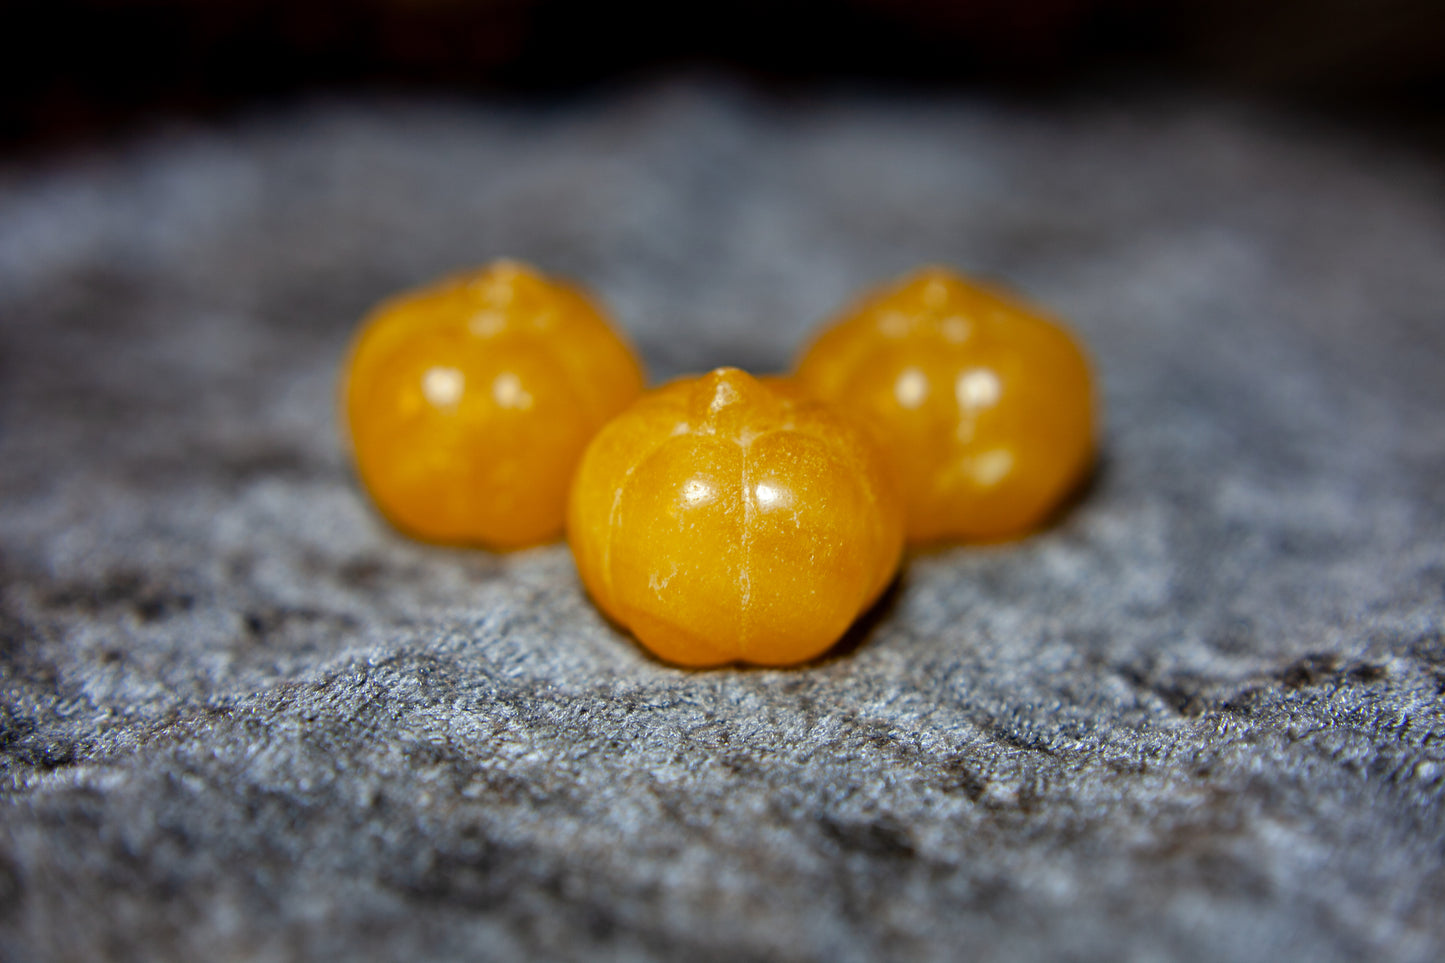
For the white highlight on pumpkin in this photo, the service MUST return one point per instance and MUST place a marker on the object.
(893, 324)
(977, 388)
(723, 395)
(443, 386)
(697, 491)
(911, 388)
(486, 323)
(955, 329)
(508, 392)
(989, 468)
(770, 496)
(497, 285)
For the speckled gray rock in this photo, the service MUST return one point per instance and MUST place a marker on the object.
(1201, 718)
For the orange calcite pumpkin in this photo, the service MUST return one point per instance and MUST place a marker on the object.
(730, 519)
(983, 404)
(470, 401)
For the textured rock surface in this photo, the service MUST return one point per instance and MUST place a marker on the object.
(1201, 718)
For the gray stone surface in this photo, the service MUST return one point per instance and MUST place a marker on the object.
(1199, 719)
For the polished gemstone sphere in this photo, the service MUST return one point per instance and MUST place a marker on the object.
(983, 404)
(730, 519)
(469, 402)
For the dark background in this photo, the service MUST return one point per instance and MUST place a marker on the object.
(76, 68)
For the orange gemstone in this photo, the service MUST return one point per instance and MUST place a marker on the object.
(728, 519)
(984, 405)
(469, 403)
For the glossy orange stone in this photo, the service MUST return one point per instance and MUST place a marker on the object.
(983, 403)
(731, 519)
(470, 401)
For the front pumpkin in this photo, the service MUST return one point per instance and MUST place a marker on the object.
(726, 519)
